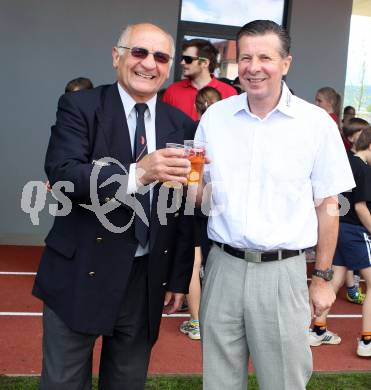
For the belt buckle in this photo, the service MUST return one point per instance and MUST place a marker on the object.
(253, 257)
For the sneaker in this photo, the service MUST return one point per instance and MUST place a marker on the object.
(193, 332)
(358, 299)
(326, 338)
(363, 350)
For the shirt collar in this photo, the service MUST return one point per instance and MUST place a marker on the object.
(128, 102)
(187, 83)
(212, 83)
(285, 104)
(241, 104)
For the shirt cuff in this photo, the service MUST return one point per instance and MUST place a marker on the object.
(132, 181)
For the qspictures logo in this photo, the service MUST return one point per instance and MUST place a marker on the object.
(34, 198)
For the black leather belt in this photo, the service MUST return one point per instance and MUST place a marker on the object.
(256, 256)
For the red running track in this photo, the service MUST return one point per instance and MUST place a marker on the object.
(174, 353)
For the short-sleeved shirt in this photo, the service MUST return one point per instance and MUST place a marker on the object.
(182, 95)
(362, 191)
(350, 153)
(265, 173)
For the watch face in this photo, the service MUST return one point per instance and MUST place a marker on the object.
(330, 274)
(326, 275)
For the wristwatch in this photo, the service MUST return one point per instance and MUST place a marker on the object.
(326, 274)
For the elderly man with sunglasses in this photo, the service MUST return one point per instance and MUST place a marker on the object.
(98, 280)
(199, 60)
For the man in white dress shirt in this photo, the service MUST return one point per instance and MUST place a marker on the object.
(277, 165)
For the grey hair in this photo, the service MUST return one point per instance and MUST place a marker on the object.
(125, 35)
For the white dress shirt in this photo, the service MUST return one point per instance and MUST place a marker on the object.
(265, 173)
(149, 121)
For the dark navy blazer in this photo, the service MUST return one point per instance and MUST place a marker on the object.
(84, 268)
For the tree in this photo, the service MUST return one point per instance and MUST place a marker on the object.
(361, 91)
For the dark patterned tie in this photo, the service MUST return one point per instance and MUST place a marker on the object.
(140, 150)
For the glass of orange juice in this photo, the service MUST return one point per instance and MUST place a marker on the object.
(195, 152)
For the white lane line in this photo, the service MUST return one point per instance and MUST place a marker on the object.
(35, 314)
(17, 314)
(18, 273)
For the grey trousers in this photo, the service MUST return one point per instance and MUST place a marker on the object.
(259, 310)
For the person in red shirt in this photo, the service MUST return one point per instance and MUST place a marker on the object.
(198, 60)
(328, 99)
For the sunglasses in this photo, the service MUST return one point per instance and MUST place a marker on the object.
(189, 59)
(142, 53)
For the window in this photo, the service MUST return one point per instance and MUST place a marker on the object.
(358, 78)
(232, 13)
(219, 22)
(227, 56)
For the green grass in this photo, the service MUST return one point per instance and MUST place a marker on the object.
(350, 381)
